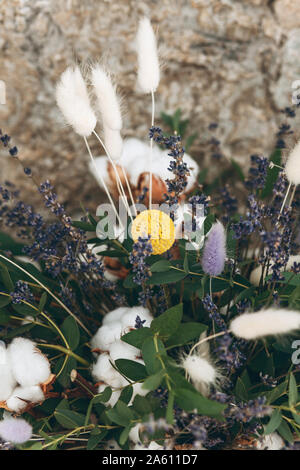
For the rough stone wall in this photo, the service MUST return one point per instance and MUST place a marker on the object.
(230, 61)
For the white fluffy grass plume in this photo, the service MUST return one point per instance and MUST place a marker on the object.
(73, 100)
(29, 366)
(292, 168)
(148, 64)
(265, 323)
(107, 98)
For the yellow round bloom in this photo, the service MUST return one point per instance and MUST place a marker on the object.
(158, 225)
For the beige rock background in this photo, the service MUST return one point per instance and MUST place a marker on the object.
(230, 61)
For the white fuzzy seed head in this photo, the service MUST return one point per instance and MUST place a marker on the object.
(292, 167)
(22, 396)
(113, 143)
(199, 369)
(107, 98)
(28, 364)
(265, 323)
(7, 380)
(73, 101)
(148, 64)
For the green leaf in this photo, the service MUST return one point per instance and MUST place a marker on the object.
(285, 432)
(160, 266)
(5, 277)
(189, 401)
(272, 174)
(167, 323)
(274, 422)
(71, 331)
(124, 435)
(85, 226)
(4, 301)
(137, 337)
(131, 369)
(69, 419)
(150, 350)
(42, 302)
(276, 393)
(94, 439)
(240, 390)
(185, 333)
(166, 277)
(293, 392)
(154, 381)
(121, 414)
(170, 408)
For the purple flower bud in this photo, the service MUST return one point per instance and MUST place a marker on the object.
(214, 252)
(15, 430)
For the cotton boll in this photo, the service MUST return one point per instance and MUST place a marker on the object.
(15, 430)
(292, 167)
(138, 390)
(21, 396)
(29, 365)
(270, 442)
(264, 323)
(73, 100)
(107, 98)
(121, 350)
(7, 380)
(148, 65)
(115, 315)
(256, 273)
(129, 319)
(106, 336)
(103, 371)
(113, 143)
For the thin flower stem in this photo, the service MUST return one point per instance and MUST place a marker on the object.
(103, 182)
(68, 352)
(208, 338)
(285, 198)
(119, 182)
(49, 292)
(292, 195)
(151, 150)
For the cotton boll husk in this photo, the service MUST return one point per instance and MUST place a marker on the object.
(148, 65)
(292, 167)
(7, 380)
(21, 395)
(121, 350)
(115, 315)
(15, 430)
(113, 143)
(107, 98)
(270, 442)
(73, 100)
(264, 323)
(29, 365)
(256, 273)
(214, 252)
(106, 336)
(114, 396)
(103, 371)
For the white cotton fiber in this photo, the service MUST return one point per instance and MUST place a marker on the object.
(270, 442)
(29, 365)
(73, 100)
(134, 434)
(129, 319)
(264, 323)
(115, 315)
(103, 371)
(152, 446)
(106, 336)
(122, 350)
(7, 380)
(138, 390)
(21, 396)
